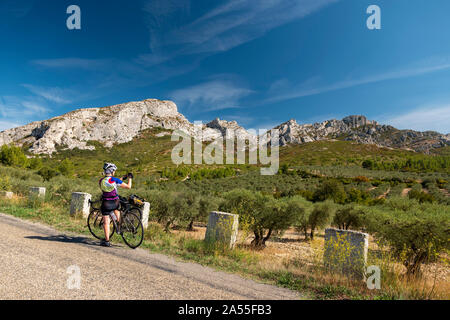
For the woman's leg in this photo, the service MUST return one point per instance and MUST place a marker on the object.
(106, 227)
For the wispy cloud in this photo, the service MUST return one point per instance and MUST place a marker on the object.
(79, 63)
(229, 25)
(5, 125)
(283, 90)
(435, 118)
(57, 95)
(16, 111)
(216, 94)
(17, 9)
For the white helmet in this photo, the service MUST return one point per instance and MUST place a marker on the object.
(109, 167)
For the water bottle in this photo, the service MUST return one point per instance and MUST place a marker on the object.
(113, 216)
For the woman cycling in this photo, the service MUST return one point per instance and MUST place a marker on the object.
(110, 197)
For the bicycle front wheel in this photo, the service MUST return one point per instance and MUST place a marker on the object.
(95, 225)
(132, 230)
(136, 211)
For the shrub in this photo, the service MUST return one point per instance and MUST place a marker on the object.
(302, 209)
(347, 217)
(330, 189)
(35, 163)
(420, 196)
(320, 216)
(66, 168)
(263, 214)
(416, 235)
(47, 173)
(13, 156)
(5, 184)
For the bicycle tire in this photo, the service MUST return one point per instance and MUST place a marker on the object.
(135, 211)
(132, 229)
(95, 225)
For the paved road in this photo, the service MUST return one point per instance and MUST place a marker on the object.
(34, 260)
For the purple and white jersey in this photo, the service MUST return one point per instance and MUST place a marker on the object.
(108, 185)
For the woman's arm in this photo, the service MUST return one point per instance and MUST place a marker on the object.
(126, 185)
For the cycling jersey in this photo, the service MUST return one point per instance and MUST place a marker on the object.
(108, 185)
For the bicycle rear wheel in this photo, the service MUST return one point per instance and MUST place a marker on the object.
(95, 225)
(132, 230)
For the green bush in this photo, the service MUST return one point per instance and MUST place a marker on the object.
(302, 209)
(47, 173)
(420, 196)
(262, 214)
(330, 189)
(66, 168)
(417, 233)
(321, 216)
(13, 156)
(348, 216)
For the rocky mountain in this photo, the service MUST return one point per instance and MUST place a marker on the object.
(359, 129)
(108, 125)
(121, 123)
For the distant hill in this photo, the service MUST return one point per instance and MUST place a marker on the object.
(115, 125)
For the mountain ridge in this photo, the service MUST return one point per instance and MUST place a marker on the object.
(121, 123)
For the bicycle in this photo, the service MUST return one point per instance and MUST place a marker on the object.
(132, 230)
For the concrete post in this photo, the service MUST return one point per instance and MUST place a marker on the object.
(80, 203)
(346, 251)
(6, 194)
(222, 227)
(38, 192)
(145, 214)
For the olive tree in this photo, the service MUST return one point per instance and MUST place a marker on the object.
(320, 216)
(416, 236)
(348, 216)
(263, 214)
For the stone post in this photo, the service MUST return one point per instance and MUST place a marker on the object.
(145, 214)
(222, 227)
(6, 194)
(38, 192)
(80, 203)
(346, 251)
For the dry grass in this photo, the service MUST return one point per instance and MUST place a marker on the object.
(290, 252)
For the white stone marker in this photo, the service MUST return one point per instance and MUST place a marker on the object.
(145, 214)
(346, 251)
(80, 203)
(7, 194)
(222, 227)
(38, 192)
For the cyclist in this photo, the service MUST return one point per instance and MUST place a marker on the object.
(110, 197)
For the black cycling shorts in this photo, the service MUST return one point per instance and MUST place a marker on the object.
(108, 206)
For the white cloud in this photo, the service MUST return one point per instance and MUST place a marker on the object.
(229, 25)
(5, 125)
(79, 63)
(15, 111)
(57, 95)
(212, 95)
(435, 118)
(282, 90)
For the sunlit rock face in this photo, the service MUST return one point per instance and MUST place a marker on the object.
(122, 123)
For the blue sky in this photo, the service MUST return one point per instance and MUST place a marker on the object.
(258, 62)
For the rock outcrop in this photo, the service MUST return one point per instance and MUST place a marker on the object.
(121, 123)
(110, 125)
(361, 130)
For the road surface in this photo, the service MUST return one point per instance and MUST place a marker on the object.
(34, 262)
